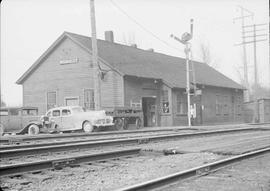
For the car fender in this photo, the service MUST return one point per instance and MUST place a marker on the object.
(25, 129)
(81, 122)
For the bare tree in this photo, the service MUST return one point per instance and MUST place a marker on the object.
(207, 56)
(240, 77)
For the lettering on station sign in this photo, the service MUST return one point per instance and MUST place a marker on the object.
(69, 61)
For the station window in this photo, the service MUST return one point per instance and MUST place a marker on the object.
(181, 104)
(239, 106)
(218, 105)
(137, 104)
(226, 105)
(165, 101)
(89, 99)
(51, 100)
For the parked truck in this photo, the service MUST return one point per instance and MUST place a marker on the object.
(123, 117)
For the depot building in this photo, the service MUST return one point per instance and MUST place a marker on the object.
(130, 76)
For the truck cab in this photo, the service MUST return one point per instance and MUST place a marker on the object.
(14, 119)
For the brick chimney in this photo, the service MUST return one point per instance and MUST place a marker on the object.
(109, 36)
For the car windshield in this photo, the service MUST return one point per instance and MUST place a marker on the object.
(77, 110)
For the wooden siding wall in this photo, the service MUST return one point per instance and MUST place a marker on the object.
(208, 101)
(264, 110)
(137, 88)
(209, 105)
(178, 119)
(69, 80)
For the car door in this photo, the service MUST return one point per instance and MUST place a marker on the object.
(56, 118)
(14, 119)
(67, 120)
(28, 115)
(4, 118)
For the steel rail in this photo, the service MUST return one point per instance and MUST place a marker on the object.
(197, 171)
(20, 138)
(64, 161)
(94, 144)
(33, 145)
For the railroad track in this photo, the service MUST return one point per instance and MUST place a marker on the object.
(36, 149)
(97, 161)
(20, 139)
(81, 140)
(61, 162)
(197, 171)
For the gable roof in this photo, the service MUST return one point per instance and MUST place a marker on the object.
(142, 63)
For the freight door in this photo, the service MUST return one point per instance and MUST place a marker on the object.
(149, 111)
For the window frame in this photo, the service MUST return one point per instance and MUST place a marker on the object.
(181, 104)
(226, 109)
(91, 105)
(239, 107)
(72, 98)
(218, 105)
(50, 106)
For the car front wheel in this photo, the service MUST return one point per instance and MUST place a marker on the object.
(87, 127)
(33, 129)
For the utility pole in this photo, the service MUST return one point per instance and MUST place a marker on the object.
(254, 39)
(186, 37)
(254, 29)
(96, 72)
(255, 58)
(243, 17)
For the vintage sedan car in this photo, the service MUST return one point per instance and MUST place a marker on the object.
(69, 118)
(14, 119)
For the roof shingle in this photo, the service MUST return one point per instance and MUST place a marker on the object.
(142, 63)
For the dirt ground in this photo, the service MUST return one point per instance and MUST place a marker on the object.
(252, 174)
(151, 164)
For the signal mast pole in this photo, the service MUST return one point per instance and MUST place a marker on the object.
(186, 37)
(96, 72)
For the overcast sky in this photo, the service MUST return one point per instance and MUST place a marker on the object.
(29, 27)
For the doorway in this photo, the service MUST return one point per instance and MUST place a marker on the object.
(149, 107)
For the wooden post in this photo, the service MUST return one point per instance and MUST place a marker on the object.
(96, 72)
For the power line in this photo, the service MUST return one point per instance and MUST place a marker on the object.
(242, 18)
(142, 27)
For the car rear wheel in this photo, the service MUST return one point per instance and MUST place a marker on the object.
(1, 129)
(87, 127)
(119, 124)
(33, 129)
